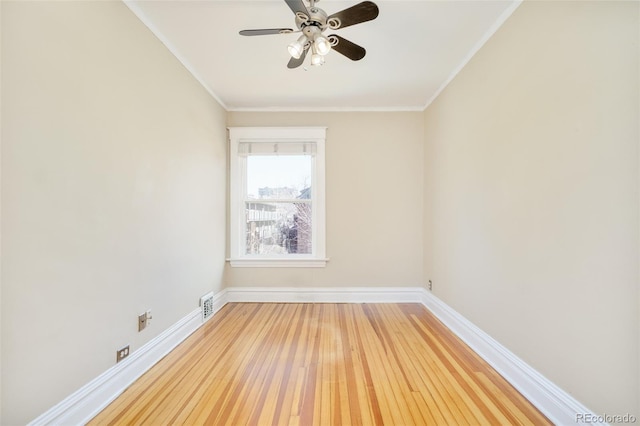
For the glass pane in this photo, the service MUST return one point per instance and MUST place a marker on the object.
(278, 177)
(278, 228)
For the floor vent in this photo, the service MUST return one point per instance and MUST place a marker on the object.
(206, 303)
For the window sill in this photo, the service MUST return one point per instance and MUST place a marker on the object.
(278, 263)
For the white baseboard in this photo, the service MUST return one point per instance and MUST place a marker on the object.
(560, 407)
(84, 404)
(325, 294)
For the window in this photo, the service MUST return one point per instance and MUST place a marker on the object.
(277, 196)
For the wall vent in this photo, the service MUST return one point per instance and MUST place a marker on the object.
(206, 303)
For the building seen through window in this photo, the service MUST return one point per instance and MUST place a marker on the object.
(279, 227)
(275, 181)
(278, 215)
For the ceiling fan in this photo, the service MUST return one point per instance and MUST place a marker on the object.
(312, 22)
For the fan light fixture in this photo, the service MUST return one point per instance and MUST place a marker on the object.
(322, 44)
(297, 47)
(316, 57)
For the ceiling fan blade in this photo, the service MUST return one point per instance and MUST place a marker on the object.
(361, 12)
(267, 31)
(295, 63)
(347, 48)
(297, 6)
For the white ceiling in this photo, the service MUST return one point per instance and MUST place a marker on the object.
(414, 48)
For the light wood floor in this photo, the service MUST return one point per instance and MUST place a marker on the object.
(321, 364)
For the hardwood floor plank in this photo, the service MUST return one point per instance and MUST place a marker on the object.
(321, 364)
(370, 397)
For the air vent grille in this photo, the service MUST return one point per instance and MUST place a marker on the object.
(206, 303)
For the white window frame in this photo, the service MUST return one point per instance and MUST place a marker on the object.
(237, 187)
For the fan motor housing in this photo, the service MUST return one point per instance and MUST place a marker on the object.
(317, 17)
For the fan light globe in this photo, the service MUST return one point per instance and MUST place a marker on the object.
(297, 47)
(317, 59)
(323, 46)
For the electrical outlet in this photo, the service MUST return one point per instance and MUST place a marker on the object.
(430, 285)
(122, 353)
(142, 321)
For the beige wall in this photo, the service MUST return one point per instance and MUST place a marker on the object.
(531, 190)
(374, 200)
(113, 195)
